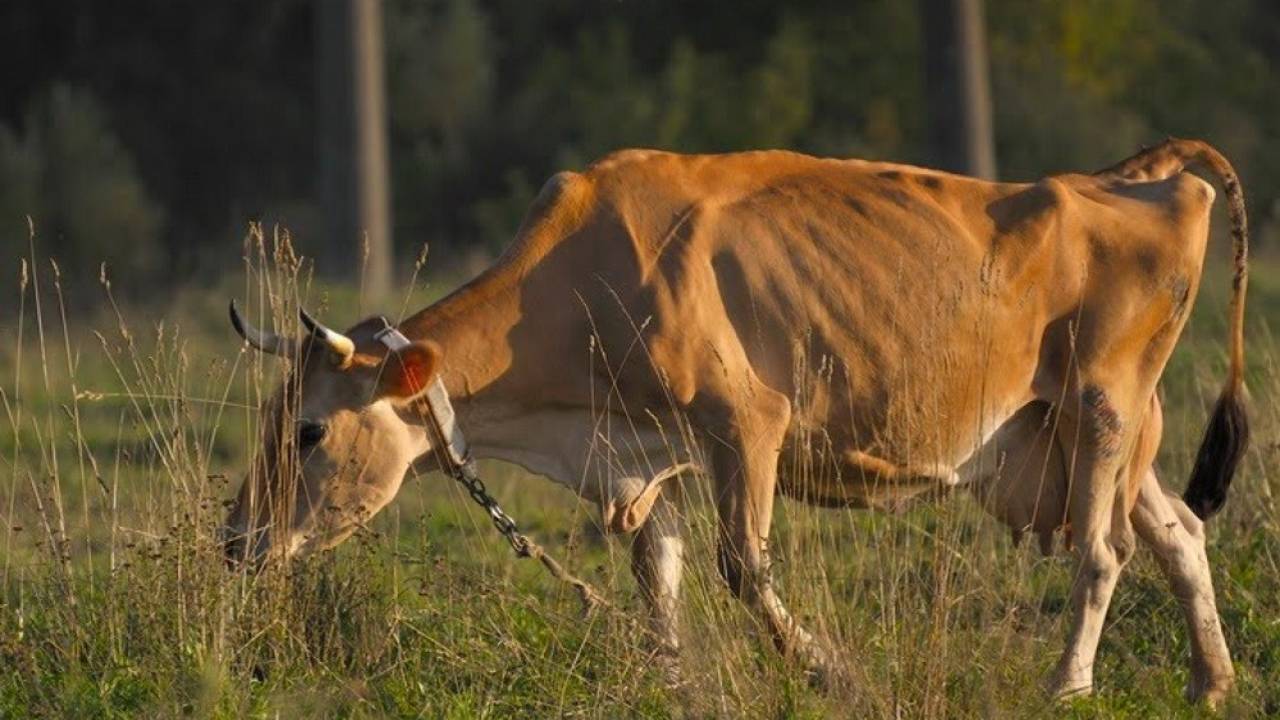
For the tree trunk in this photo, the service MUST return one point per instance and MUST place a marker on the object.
(354, 183)
(958, 87)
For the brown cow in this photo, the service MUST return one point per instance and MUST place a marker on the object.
(936, 330)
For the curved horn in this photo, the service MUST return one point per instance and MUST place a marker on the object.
(267, 342)
(339, 344)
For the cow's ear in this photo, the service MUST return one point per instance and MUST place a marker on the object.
(407, 372)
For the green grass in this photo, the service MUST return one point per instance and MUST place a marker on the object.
(116, 456)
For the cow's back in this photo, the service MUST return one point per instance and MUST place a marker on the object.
(858, 288)
(902, 309)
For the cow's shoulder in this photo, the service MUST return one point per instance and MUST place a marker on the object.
(561, 206)
(627, 159)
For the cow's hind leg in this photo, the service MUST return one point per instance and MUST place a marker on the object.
(1099, 517)
(1176, 536)
(657, 560)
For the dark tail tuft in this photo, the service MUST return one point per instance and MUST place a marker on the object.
(1225, 440)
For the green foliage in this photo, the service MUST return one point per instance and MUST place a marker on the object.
(214, 103)
(1076, 86)
(67, 171)
(1079, 85)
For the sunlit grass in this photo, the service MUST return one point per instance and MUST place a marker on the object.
(124, 432)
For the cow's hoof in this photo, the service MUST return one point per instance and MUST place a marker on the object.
(672, 670)
(1210, 692)
(1068, 687)
(821, 679)
(821, 670)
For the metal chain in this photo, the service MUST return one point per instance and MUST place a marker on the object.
(466, 475)
(460, 465)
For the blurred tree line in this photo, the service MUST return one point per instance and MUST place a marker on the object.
(149, 133)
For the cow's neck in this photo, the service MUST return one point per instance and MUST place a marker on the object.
(472, 328)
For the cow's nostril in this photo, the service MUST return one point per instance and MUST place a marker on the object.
(310, 433)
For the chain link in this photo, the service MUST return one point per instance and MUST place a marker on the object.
(466, 475)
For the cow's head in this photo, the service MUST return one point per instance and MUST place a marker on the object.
(336, 438)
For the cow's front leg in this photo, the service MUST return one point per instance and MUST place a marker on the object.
(744, 453)
(657, 560)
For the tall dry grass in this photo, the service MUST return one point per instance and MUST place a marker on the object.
(123, 439)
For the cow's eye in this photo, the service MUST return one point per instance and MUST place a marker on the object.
(310, 433)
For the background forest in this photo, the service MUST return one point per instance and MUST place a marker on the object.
(149, 134)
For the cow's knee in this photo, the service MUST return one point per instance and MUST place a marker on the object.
(1122, 539)
(1124, 548)
(1100, 566)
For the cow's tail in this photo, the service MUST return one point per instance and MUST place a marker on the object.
(1227, 435)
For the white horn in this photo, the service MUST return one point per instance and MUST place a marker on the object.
(267, 342)
(339, 344)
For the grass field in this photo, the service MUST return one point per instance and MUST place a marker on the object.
(126, 429)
